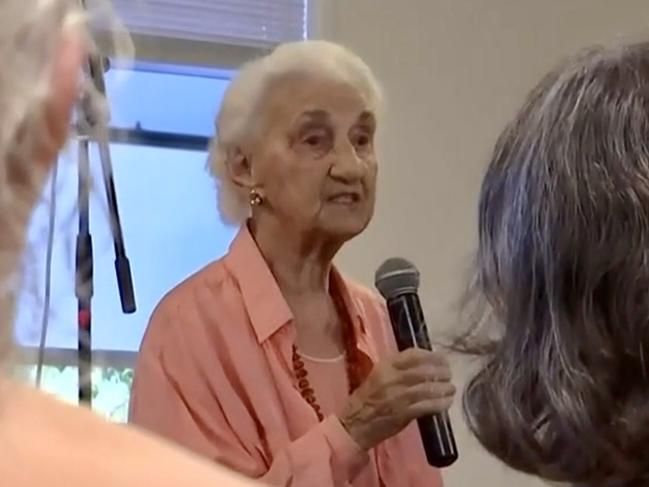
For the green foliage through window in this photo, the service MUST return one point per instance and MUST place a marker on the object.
(110, 391)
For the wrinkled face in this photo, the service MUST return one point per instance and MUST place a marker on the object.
(313, 160)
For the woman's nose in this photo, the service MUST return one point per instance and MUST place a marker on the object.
(348, 166)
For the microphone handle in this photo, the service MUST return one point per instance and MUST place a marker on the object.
(409, 326)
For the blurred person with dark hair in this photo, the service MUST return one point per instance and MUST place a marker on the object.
(42, 441)
(560, 300)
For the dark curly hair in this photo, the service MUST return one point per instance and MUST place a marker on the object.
(560, 300)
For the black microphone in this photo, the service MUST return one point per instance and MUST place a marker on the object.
(398, 281)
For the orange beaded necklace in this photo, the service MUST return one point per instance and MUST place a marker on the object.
(351, 360)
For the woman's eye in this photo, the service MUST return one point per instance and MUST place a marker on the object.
(362, 140)
(317, 141)
(313, 140)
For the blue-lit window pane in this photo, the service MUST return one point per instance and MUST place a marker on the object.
(168, 208)
(165, 102)
(171, 229)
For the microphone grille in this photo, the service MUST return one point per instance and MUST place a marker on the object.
(396, 276)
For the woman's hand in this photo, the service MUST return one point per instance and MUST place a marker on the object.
(406, 386)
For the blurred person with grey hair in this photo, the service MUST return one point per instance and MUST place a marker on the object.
(269, 360)
(42, 441)
(560, 301)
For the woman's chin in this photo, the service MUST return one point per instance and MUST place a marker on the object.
(346, 227)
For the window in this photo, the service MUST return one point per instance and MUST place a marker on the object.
(162, 114)
(261, 23)
(169, 216)
(213, 32)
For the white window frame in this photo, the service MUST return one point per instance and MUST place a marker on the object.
(60, 357)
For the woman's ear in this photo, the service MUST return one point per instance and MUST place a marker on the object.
(240, 169)
(64, 89)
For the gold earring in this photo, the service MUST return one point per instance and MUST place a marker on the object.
(255, 198)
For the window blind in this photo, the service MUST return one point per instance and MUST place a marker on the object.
(252, 23)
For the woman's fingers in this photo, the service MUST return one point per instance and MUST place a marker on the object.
(426, 373)
(429, 406)
(428, 391)
(408, 385)
(416, 357)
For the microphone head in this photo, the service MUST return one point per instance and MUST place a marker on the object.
(395, 277)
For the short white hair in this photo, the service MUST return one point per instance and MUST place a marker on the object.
(241, 103)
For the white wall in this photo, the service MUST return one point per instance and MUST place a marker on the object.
(454, 72)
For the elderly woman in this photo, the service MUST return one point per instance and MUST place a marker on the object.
(563, 273)
(43, 442)
(269, 360)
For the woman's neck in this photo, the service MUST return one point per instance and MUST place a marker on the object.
(301, 264)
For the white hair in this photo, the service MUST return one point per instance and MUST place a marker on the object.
(241, 105)
(30, 35)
